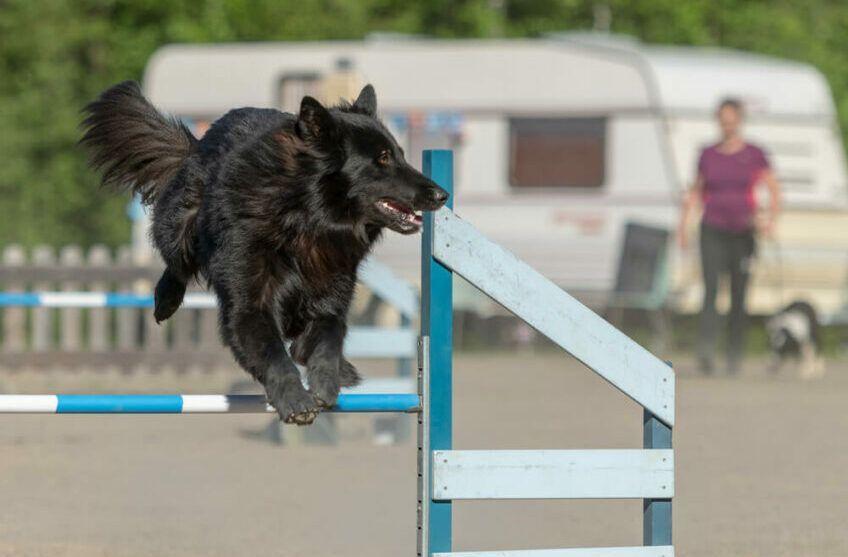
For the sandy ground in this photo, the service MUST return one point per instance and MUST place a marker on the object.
(762, 470)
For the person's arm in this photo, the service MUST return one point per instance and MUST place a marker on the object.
(690, 202)
(775, 202)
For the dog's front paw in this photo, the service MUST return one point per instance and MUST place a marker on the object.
(295, 405)
(348, 376)
(324, 383)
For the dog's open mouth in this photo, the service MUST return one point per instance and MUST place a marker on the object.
(403, 219)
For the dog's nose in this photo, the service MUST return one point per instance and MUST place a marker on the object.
(439, 196)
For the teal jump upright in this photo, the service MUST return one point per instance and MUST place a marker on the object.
(436, 418)
(452, 246)
(656, 522)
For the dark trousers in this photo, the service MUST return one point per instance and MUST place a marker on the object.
(729, 253)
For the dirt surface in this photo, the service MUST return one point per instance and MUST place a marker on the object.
(762, 470)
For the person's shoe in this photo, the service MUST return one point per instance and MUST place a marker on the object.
(705, 365)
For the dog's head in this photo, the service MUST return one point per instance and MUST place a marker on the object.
(369, 181)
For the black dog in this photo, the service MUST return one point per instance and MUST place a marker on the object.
(275, 211)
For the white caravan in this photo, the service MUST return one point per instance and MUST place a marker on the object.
(560, 141)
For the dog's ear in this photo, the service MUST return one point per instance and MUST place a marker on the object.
(314, 123)
(366, 102)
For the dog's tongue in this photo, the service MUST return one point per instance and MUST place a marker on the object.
(408, 214)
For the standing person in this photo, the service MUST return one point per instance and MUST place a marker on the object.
(728, 173)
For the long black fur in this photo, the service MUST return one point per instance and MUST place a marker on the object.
(132, 143)
(275, 211)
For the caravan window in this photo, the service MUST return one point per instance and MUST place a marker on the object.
(557, 152)
(293, 87)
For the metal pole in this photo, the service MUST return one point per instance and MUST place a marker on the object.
(404, 365)
(189, 404)
(656, 526)
(436, 418)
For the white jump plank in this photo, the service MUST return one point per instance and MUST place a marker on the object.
(389, 287)
(652, 551)
(384, 385)
(379, 342)
(554, 313)
(581, 474)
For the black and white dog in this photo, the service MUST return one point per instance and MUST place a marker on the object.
(794, 333)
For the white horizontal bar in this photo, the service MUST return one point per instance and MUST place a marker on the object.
(582, 474)
(647, 551)
(73, 299)
(387, 385)
(554, 313)
(25, 404)
(380, 342)
(199, 300)
(202, 404)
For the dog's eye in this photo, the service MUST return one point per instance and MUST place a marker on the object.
(384, 157)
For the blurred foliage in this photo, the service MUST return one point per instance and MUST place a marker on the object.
(55, 55)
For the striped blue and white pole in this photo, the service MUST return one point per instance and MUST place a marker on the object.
(190, 404)
(362, 341)
(193, 300)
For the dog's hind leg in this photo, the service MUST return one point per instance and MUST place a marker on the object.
(348, 376)
(174, 221)
(168, 295)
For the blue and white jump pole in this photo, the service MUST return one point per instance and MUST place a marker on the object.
(190, 404)
(193, 300)
(451, 245)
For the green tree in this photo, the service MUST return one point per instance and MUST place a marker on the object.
(56, 55)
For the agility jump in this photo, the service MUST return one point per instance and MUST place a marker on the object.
(451, 245)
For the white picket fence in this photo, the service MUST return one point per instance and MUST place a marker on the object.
(60, 310)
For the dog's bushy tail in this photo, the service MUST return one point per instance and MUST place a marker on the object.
(135, 146)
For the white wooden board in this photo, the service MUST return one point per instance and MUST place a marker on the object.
(384, 385)
(554, 313)
(553, 474)
(388, 286)
(655, 551)
(381, 342)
